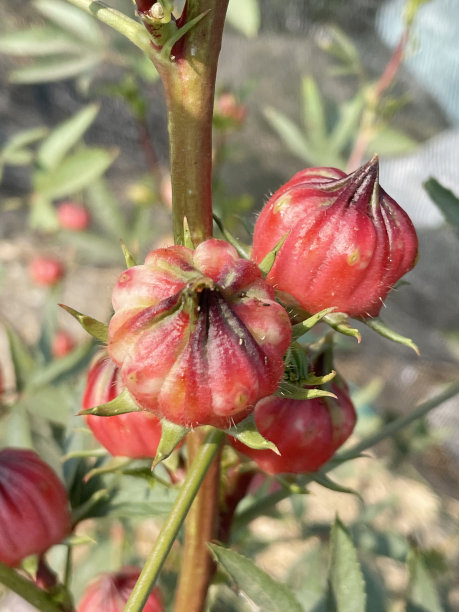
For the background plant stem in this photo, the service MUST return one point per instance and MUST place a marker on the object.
(27, 590)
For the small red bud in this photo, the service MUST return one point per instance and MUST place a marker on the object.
(73, 216)
(33, 506)
(46, 271)
(110, 592)
(347, 241)
(306, 432)
(227, 107)
(62, 344)
(197, 334)
(134, 434)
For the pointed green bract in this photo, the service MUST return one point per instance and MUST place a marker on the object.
(301, 328)
(122, 404)
(269, 259)
(23, 361)
(339, 322)
(383, 330)
(266, 593)
(246, 432)
(291, 391)
(98, 330)
(328, 483)
(171, 436)
(242, 250)
(187, 239)
(130, 261)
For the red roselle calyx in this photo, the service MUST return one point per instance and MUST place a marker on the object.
(134, 434)
(34, 509)
(307, 433)
(110, 592)
(348, 242)
(197, 334)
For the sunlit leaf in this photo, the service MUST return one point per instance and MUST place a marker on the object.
(290, 133)
(66, 135)
(38, 41)
(54, 69)
(313, 112)
(80, 25)
(346, 584)
(423, 596)
(244, 15)
(246, 432)
(265, 592)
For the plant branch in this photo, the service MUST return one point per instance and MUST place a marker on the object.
(27, 590)
(262, 505)
(200, 528)
(128, 27)
(171, 527)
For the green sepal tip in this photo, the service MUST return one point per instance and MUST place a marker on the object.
(383, 330)
(95, 328)
(291, 391)
(246, 432)
(122, 404)
(129, 259)
(339, 321)
(268, 260)
(171, 436)
(187, 238)
(301, 328)
(243, 250)
(179, 33)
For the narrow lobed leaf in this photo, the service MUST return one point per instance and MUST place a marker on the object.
(246, 432)
(382, 329)
(98, 330)
(171, 436)
(122, 404)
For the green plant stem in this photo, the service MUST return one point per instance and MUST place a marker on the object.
(189, 82)
(206, 454)
(130, 28)
(27, 590)
(260, 506)
(200, 528)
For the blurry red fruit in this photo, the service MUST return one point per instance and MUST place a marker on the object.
(134, 434)
(110, 592)
(34, 509)
(347, 243)
(306, 432)
(46, 270)
(62, 343)
(73, 216)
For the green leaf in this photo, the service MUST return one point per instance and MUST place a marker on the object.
(23, 139)
(171, 436)
(246, 432)
(54, 69)
(66, 135)
(265, 592)
(244, 15)
(93, 247)
(290, 133)
(346, 584)
(292, 391)
(54, 404)
(243, 251)
(345, 128)
(382, 329)
(423, 596)
(95, 328)
(42, 214)
(61, 367)
(105, 208)
(328, 483)
(446, 201)
(388, 141)
(122, 404)
(39, 41)
(18, 431)
(21, 356)
(74, 173)
(313, 112)
(73, 20)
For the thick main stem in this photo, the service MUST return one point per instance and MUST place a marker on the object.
(200, 528)
(189, 81)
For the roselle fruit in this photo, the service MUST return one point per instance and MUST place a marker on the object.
(197, 334)
(109, 592)
(134, 434)
(34, 508)
(46, 270)
(347, 243)
(73, 216)
(307, 433)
